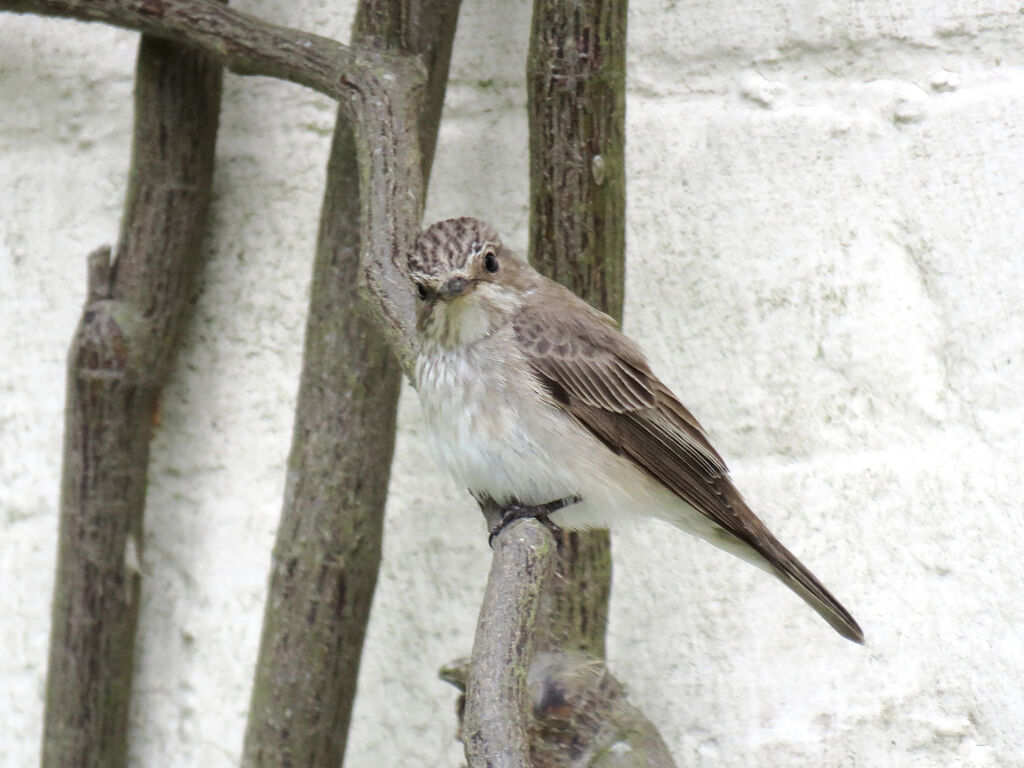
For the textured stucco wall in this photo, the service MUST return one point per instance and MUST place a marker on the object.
(826, 211)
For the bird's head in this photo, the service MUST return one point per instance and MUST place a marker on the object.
(467, 282)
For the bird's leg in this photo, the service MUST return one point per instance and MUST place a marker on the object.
(516, 511)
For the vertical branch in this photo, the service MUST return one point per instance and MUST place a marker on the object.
(578, 713)
(576, 85)
(384, 114)
(379, 91)
(577, 105)
(327, 553)
(495, 727)
(119, 361)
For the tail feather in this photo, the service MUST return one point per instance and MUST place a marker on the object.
(794, 575)
(782, 564)
(757, 545)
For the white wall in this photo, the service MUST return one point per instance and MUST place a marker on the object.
(826, 211)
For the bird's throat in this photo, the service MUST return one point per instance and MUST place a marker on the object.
(470, 317)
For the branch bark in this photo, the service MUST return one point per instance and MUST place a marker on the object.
(577, 106)
(494, 729)
(576, 86)
(576, 199)
(241, 42)
(379, 91)
(328, 546)
(119, 361)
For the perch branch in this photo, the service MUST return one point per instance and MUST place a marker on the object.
(576, 96)
(328, 545)
(119, 360)
(495, 723)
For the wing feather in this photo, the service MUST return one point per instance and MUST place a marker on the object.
(602, 379)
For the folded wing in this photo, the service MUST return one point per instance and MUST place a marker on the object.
(601, 378)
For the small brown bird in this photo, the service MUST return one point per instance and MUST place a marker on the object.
(531, 396)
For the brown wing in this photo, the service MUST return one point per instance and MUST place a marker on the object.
(595, 365)
(600, 377)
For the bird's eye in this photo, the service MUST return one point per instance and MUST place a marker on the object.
(421, 291)
(491, 262)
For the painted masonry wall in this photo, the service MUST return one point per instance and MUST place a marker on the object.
(826, 211)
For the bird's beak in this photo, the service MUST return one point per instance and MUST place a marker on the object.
(454, 288)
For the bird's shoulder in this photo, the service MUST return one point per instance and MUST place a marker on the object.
(601, 376)
(582, 351)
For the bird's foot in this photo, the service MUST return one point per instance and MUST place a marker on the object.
(541, 512)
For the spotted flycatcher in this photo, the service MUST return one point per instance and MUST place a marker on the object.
(531, 396)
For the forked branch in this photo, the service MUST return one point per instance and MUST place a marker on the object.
(380, 91)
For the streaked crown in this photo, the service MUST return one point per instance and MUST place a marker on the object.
(448, 245)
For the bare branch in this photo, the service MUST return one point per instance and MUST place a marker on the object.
(241, 42)
(495, 725)
(119, 360)
(577, 102)
(380, 92)
(384, 116)
(576, 87)
(329, 539)
(122, 352)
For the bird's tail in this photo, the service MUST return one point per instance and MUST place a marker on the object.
(752, 541)
(782, 564)
(795, 575)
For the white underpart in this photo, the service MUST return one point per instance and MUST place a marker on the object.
(499, 434)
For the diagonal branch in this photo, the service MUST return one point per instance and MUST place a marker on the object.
(379, 91)
(241, 42)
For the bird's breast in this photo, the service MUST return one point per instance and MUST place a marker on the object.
(489, 426)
